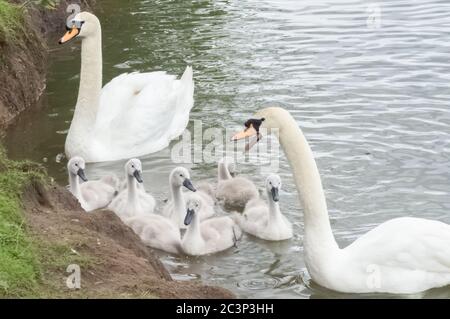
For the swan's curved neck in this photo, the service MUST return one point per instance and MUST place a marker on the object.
(193, 233)
(179, 204)
(131, 188)
(274, 210)
(319, 241)
(74, 185)
(90, 85)
(223, 171)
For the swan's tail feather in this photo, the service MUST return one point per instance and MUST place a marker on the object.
(187, 75)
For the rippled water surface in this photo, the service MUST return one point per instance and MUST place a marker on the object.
(372, 97)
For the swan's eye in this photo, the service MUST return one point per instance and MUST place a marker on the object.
(132, 166)
(181, 175)
(76, 164)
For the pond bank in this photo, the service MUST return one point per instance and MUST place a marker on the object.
(43, 229)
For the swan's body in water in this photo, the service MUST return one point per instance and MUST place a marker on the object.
(133, 201)
(233, 192)
(264, 220)
(91, 194)
(157, 231)
(209, 236)
(175, 209)
(402, 255)
(133, 115)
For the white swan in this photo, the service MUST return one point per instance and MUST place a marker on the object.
(157, 231)
(209, 236)
(175, 208)
(133, 115)
(133, 201)
(402, 255)
(233, 192)
(266, 221)
(91, 194)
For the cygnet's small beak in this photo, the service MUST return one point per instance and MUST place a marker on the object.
(188, 184)
(275, 194)
(81, 174)
(189, 216)
(137, 174)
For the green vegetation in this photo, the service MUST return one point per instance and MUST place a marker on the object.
(11, 21)
(19, 267)
(25, 259)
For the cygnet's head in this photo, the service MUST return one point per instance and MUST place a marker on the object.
(134, 168)
(273, 186)
(180, 177)
(193, 205)
(76, 166)
(83, 25)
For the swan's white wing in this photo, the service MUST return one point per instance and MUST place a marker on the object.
(405, 243)
(97, 194)
(140, 113)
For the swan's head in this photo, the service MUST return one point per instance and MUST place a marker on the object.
(180, 177)
(76, 166)
(269, 120)
(193, 205)
(134, 168)
(273, 186)
(83, 25)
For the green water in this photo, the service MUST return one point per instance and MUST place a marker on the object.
(373, 104)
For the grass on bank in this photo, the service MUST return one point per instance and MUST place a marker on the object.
(25, 259)
(11, 21)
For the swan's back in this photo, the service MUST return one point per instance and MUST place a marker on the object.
(140, 113)
(220, 233)
(236, 192)
(410, 255)
(157, 232)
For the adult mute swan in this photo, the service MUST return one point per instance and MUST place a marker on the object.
(233, 192)
(175, 209)
(402, 255)
(266, 221)
(91, 194)
(133, 201)
(209, 236)
(133, 115)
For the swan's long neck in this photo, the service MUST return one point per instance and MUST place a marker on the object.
(274, 210)
(319, 241)
(193, 234)
(223, 171)
(132, 191)
(179, 204)
(90, 85)
(74, 185)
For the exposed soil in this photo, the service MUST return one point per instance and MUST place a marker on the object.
(118, 264)
(23, 61)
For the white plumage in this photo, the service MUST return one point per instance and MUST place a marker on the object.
(91, 194)
(134, 114)
(265, 220)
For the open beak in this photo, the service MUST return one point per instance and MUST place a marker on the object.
(137, 174)
(275, 195)
(72, 33)
(188, 184)
(248, 132)
(81, 174)
(189, 216)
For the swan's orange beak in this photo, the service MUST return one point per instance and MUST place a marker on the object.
(248, 132)
(72, 33)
